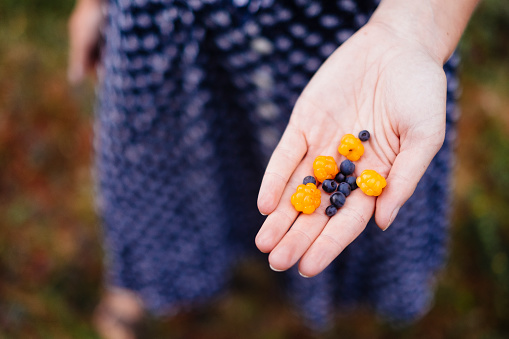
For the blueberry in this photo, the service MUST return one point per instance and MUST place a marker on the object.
(338, 199)
(329, 185)
(309, 179)
(347, 167)
(331, 210)
(364, 135)
(340, 177)
(351, 181)
(344, 188)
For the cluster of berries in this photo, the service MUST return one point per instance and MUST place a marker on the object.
(307, 198)
(340, 187)
(337, 182)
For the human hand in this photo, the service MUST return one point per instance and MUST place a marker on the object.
(381, 81)
(84, 38)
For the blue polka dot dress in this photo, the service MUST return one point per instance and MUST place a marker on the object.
(195, 96)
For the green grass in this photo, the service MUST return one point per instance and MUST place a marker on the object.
(50, 245)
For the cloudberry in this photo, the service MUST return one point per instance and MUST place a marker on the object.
(351, 147)
(325, 167)
(371, 183)
(307, 198)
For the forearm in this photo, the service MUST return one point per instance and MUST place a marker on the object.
(435, 24)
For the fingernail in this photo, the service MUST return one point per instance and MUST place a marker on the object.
(264, 237)
(263, 214)
(275, 270)
(393, 216)
(316, 261)
(302, 275)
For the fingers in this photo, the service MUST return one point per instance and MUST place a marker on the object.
(288, 235)
(406, 172)
(275, 227)
(285, 159)
(298, 239)
(339, 232)
(318, 239)
(281, 219)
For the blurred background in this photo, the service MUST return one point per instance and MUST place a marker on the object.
(50, 250)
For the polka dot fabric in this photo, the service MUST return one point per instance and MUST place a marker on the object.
(195, 96)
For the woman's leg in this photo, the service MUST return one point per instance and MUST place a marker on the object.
(118, 314)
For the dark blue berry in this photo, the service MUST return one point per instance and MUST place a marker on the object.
(340, 177)
(347, 167)
(364, 135)
(309, 179)
(331, 210)
(329, 185)
(338, 199)
(351, 181)
(344, 188)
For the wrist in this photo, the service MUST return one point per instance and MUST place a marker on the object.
(435, 25)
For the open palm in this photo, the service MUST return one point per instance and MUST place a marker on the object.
(377, 81)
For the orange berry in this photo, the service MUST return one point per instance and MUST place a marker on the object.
(371, 183)
(325, 167)
(351, 147)
(307, 198)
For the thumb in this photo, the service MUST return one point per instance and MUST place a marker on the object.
(406, 172)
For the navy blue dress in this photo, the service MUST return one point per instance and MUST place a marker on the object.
(194, 98)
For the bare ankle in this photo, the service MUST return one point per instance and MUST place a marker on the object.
(119, 314)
